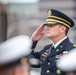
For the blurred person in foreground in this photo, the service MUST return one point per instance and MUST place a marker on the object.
(13, 54)
(68, 63)
(57, 25)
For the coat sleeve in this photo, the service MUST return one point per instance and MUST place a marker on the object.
(35, 54)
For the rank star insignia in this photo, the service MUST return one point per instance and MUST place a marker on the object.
(49, 13)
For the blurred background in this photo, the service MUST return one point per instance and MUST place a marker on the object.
(25, 16)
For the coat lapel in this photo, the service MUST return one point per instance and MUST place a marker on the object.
(60, 48)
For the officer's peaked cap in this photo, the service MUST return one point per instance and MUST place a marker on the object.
(15, 49)
(55, 16)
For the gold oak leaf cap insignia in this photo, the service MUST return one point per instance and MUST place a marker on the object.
(49, 13)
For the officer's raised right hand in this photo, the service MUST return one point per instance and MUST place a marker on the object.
(38, 34)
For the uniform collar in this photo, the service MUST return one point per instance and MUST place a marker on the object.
(60, 47)
(55, 45)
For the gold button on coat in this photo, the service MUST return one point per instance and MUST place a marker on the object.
(48, 63)
(48, 71)
(58, 72)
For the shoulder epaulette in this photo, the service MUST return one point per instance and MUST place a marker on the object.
(48, 43)
(74, 45)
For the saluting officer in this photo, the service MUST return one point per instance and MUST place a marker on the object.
(57, 25)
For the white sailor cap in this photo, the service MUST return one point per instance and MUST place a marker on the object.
(68, 62)
(15, 48)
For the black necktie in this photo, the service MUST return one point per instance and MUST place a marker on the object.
(50, 50)
(43, 59)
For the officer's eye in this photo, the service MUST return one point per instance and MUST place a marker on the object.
(53, 25)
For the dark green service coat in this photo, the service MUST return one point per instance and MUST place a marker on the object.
(48, 64)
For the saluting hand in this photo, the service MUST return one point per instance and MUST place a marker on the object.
(38, 34)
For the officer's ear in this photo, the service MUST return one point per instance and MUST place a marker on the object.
(63, 28)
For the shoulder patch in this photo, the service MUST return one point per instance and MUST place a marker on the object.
(74, 45)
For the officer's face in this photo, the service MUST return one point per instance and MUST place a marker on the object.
(53, 31)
